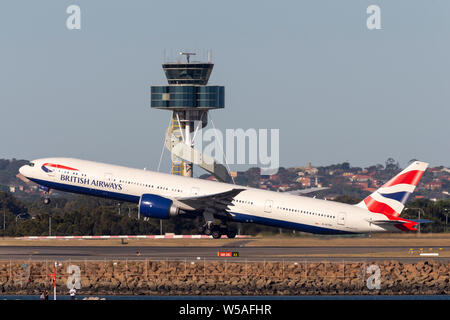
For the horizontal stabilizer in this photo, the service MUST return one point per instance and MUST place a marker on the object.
(421, 220)
(387, 222)
(402, 224)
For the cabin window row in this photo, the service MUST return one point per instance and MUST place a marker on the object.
(242, 201)
(306, 212)
(150, 186)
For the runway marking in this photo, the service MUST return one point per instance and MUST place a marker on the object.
(195, 236)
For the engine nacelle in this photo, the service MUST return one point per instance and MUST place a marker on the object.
(154, 206)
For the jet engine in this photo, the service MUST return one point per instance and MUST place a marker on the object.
(154, 206)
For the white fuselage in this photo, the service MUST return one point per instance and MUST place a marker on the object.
(251, 205)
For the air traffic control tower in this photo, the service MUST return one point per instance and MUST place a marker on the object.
(189, 98)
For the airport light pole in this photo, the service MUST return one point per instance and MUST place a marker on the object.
(4, 222)
(446, 218)
(418, 209)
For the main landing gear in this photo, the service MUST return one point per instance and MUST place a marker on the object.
(216, 231)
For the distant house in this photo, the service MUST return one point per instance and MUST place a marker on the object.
(435, 171)
(375, 183)
(304, 181)
(362, 184)
(433, 185)
(347, 174)
(312, 171)
(360, 178)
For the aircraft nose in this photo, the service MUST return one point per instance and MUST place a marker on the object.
(25, 170)
(22, 170)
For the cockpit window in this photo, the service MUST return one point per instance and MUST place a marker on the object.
(31, 164)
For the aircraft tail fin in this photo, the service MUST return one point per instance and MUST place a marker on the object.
(390, 199)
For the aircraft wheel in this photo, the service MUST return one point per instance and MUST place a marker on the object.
(231, 234)
(216, 234)
(208, 231)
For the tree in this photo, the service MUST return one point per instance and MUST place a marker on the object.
(392, 165)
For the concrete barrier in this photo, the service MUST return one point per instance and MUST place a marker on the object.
(227, 277)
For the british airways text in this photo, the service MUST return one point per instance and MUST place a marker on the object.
(96, 183)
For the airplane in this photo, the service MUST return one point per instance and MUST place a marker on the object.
(163, 196)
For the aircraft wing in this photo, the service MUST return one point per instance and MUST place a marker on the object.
(214, 202)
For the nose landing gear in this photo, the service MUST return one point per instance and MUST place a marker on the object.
(46, 191)
(46, 199)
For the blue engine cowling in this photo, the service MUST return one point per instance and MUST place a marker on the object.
(154, 206)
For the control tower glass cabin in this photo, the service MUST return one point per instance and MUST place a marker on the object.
(187, 89)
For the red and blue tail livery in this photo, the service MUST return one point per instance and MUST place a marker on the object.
(391, 198)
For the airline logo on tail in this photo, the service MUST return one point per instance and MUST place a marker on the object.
(391, 198)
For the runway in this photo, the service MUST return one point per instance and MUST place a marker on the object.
(350, 253)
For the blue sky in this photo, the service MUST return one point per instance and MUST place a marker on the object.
(336, 90)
